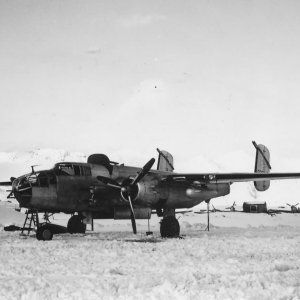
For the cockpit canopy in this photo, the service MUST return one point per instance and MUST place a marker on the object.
(72, 169)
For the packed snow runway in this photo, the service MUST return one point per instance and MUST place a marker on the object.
(261, 262)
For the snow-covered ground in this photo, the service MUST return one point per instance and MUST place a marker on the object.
(244, 256)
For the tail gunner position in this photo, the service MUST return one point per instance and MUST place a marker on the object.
(103, 189)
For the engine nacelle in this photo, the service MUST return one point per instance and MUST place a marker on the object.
(144, 193)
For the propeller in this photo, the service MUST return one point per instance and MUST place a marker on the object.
(232, 207)
(128, 188)
(292, 205)
(8, 183)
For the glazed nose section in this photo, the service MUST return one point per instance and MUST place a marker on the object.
(22, 190)
(14, 184)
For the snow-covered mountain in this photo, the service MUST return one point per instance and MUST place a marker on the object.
(40, 156)
(17, 163)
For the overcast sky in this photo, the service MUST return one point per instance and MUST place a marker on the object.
(191, 77)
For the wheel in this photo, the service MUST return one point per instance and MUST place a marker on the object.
(38, 234)
(44, 233)
(75, 225)
(169, 227)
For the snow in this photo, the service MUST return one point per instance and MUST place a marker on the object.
(244, 256)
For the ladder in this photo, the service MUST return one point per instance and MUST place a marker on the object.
(31, 221)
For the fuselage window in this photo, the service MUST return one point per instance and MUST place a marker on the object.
(76, 170)
(72, 170)
(67, 170)
(86, 171)
(33, 179)
(39, 179)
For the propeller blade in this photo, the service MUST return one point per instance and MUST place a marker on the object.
(10, 195)
(114, 186)
(24, 189)
(144, 171)
(132, 216)
(296, 204)
(109, 182)
(288, 204)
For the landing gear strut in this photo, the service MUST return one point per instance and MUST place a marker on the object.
(169, 225)
(76, 225)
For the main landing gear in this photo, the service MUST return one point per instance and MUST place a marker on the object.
(76, 225)
(169, 225)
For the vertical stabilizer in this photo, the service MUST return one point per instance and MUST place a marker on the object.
(165, 161)
(262, 165)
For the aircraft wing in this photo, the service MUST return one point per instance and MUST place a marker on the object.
(230, 177)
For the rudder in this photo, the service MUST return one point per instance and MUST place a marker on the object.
(165, 161)
(262, 165)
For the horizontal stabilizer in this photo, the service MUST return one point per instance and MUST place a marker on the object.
(5, 183)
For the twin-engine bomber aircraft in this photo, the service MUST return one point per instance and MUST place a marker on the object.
(103, 189)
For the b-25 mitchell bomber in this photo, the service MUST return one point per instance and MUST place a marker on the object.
(103, 189)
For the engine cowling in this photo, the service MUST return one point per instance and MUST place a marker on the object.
(143, 193)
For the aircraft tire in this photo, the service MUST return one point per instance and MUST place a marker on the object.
(44, 233)
(169, 227)
(38, 234)
(75, 225)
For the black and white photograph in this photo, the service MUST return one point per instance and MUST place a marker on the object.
(149, 149)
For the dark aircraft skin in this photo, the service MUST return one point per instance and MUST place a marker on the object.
(102, 189)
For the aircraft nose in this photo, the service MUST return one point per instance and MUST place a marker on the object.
(14, 184)
(22, 190)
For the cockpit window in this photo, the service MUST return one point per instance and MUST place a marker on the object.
(67, 169)
(86, 171)
(76, 170)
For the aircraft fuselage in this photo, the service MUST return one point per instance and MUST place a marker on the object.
(74, 187)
